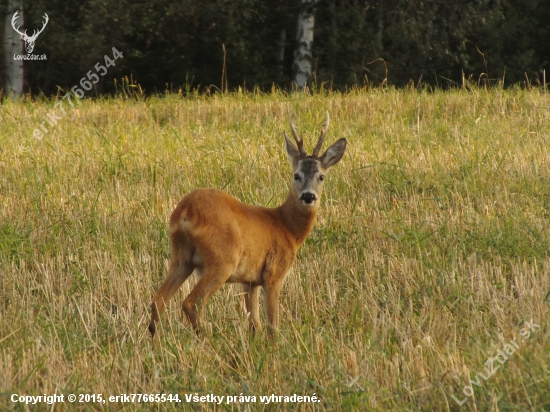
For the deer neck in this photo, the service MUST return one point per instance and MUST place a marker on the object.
(297, 218)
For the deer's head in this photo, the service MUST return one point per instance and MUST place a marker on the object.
(309, 171)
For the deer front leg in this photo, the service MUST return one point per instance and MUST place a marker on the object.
(272, 291)
(251, 300)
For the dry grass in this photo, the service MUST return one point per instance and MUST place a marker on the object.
(430, 252)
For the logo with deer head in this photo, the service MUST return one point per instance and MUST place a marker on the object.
(29, 40)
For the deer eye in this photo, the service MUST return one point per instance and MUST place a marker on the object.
(296, 176)
(322, 177)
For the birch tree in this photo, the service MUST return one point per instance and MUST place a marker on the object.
(302, 67)
(13, 44)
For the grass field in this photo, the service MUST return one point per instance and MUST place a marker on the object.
(430, 253)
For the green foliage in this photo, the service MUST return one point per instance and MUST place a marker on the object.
(171, 45)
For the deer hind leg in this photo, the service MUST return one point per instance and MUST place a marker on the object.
(213, 278)
(178, 272)
(251, 300)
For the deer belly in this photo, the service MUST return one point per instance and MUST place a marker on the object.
(246, 273)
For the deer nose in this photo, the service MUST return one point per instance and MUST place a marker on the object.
(308, 197)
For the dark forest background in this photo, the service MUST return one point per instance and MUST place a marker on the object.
(174, 45)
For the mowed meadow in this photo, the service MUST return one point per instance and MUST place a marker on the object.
(430, 253)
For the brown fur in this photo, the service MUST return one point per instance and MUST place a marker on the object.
(226, 241)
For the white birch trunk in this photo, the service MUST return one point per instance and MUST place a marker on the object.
(304, 42)
(281, 53)
(13, 44)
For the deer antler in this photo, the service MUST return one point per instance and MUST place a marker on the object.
(13, 20)
(324, 129)
(24, 34)
(299, 141)
(37, 32)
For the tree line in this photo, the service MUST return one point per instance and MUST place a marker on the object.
(225, 44)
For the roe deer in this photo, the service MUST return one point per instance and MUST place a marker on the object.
(227, 241)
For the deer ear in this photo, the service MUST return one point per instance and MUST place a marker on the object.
(292, 151)
(333, 154)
